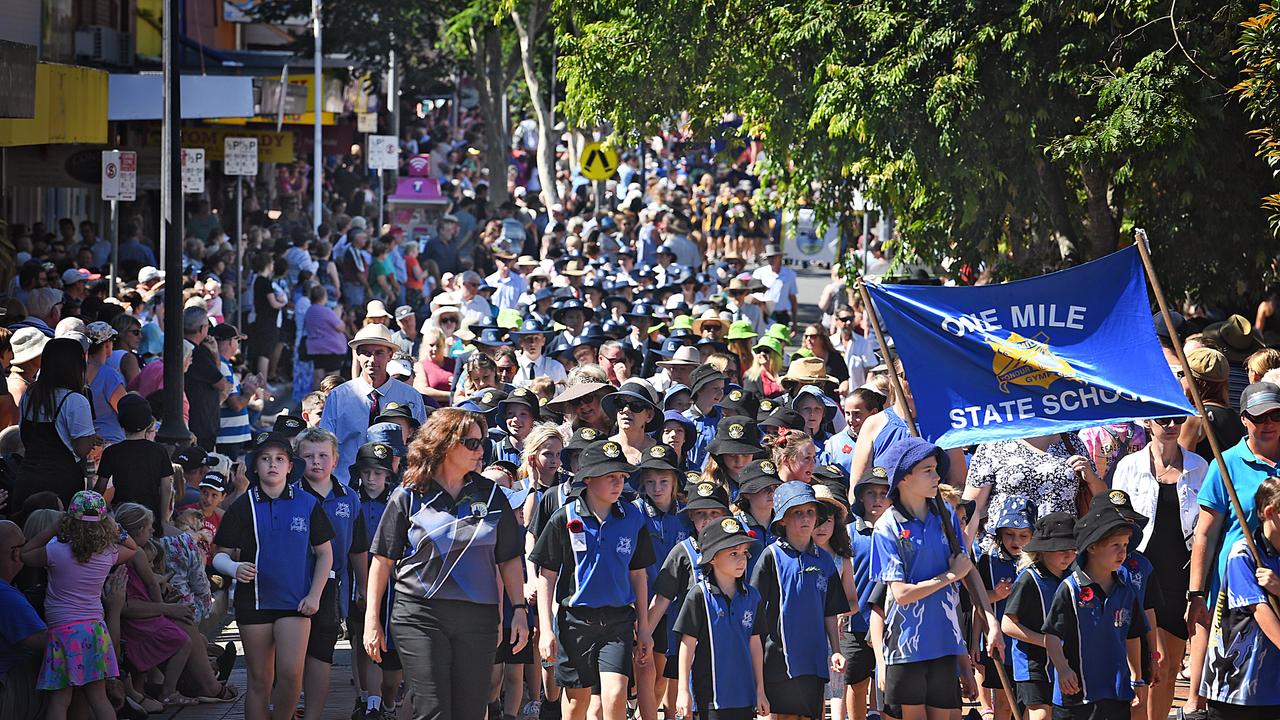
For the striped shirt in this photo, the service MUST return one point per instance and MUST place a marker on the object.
(233, 425)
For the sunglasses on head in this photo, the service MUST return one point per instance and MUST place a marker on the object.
(1169, 421)
(1271, 417)
(472, 444)
(635, 406)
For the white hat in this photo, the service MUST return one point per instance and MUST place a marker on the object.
(148, 273)
(686, 356)
(27, 344)
(376, 309)
(373, 335)
(399, 367)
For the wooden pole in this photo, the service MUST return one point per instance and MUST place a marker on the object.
(1144, 251)
(971, 581)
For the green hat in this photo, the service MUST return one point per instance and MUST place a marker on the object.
(509, 319)
(741, 330)
(684, 322)
(801, 353)
(782, 332)
(769, 343)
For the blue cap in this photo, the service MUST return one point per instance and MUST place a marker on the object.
(388, 433)
(901, 456)
(791, 494)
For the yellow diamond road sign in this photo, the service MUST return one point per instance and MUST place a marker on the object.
(598, 162)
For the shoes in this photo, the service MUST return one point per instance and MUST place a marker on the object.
(358, 711)
(531, 709)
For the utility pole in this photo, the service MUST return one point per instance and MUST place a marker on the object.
(317, 165)
(173, 429)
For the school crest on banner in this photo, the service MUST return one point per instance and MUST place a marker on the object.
(1060, 352)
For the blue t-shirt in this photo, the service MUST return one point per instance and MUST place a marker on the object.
(908, 549)
(1095, 627)
(105, 422)
(704, 431)
(1243, 665)
(839, 449)
(860, 539)
(1247, 473)
(800, 589)
(342, 507)
(18, 621)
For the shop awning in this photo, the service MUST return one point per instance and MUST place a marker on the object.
(70, 107)
(141, 97)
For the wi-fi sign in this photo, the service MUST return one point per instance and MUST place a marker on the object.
(418, 165)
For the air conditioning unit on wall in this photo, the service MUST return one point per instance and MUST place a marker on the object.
(104, 45)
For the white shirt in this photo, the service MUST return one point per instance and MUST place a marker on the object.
(859, 355)
(543, 366)
(509, 289)
(780, 286)
(687, 253)
(1133, 475)
(475, 311)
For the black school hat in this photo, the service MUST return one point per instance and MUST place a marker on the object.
(1101, 520)
(706, 496)
(735, 435)
(661, 457)
(1054, 532)
(372, 455)
(704, 375)
(1120, 500)
(766, 408)
(741, 402)
(716, 536)
(784, 417)
(397, 411)
(582, 438)
(758, 475)
(521, 396)
(602, 458)
(289, 426)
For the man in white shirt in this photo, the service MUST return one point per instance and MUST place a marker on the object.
(509, 284)
(858, 350)
(475, 309)
(779, 283)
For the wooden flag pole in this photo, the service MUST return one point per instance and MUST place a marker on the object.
(972, 580)
(1140, 239)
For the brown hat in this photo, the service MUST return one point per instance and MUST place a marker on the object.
(1208, 364)
(578, 390)
(1235, 336)
(808, 371)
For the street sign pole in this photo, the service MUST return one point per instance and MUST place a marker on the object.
(239, 253)
(381, 202)
(240, 158)
(115, 247)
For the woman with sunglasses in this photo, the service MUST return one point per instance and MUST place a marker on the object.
(635, 406)
(124, 354)
(1162, 482)
(443, 532)
(817, 340)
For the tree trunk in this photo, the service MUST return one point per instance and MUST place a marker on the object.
(492, 79)
(1101, 227)
(528, 28)
(1055, 195)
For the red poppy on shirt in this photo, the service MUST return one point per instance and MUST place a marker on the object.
(575, 525)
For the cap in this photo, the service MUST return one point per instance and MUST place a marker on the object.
(758, 475)
(87, 506)
(791, 494)
(72, 276)
(521, 396)
(192, 457)
(716, 536)
(603, 458)
(219, 463)
(403, 312)
(289, 425)
(706, 495)
(214, 481)
(1260, 398)
(148, 273)
(832, 474)
(134, 413)
(1054, 532)
(225, 332)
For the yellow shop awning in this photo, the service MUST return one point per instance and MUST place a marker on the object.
(71, 107)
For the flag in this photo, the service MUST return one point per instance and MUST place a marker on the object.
(1060, 352)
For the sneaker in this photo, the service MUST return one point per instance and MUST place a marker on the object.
(550, 710)
(531, 709)
(358, 712)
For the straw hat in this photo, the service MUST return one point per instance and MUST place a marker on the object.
(374, 335)
(808, 371)
(375, 309)
(686, 356)
(710, 316)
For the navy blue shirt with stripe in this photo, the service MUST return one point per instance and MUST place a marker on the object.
(1028, 601)
(276, 535)
(342, 507)
(800, 588)
(594, 564)
(859, 623)
(371, 511)
(680, 570)
(666, 530)
(447, 547)
(763, 539)
(1095, 625)
(723, 676)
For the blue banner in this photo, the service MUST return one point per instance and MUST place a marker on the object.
(1060, 352)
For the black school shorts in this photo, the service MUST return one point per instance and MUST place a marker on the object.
(1034, 692)
(1101, 710)
(506, 657)
(796, 696)
(859, 658)
(661, 644)
(250, 616)
(325, 626)
(935, 683)
(593, 641)
(1224, 711)
(991, 678)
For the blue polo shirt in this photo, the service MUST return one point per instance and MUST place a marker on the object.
(723, 677)
(18, 621)
(1028, 601)
(680, 570)
(448, 547)
(704, 431)
(1243, 665)
(839, 449)
(908, 549)
(371, 512)
(594, 559)
(763, 539)
(1247, 473)
(342, 507)
(277, 535)
(1095, 625)
(666, 530)
(860, 541)
(800, 589)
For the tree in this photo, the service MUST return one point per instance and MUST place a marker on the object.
(528, 17)
(1021, 135)
(1259, 89)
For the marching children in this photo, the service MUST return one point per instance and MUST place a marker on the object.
(1243, 662)
(720, 623)
(1045, 561)
(593, 557)
(1094, 624)
(317, 448)
(871, 494)
(911, 555)
(1010, 522)
(374, 478)
(802, 596)
(286, 533)
(80, 551)
(657, 478)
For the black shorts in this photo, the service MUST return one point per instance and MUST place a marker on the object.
(1034, 692)
(859, 658)
(505, 656)
(1100, 710)
(1226, 711)
(796, 696)
(661, 643)
(991, 678)
(325, 626)
(391, 661)
(330, 362)
(251, 616)
(593, 641)
(934, 683)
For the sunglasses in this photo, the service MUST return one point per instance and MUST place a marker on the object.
(1170, 421)
(579, 402)
(844, 318)
(1271, 417)
(635, 406)
(472, 444)
(807, 336)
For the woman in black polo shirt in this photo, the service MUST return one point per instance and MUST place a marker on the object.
(444, 531)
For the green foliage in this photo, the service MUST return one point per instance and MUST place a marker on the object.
(1259, 89)
(1017, 134)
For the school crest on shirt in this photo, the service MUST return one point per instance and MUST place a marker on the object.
(299, 524)
(821, 583)
(343, 510)
(748, 619)
(479, 510)
(624, 546)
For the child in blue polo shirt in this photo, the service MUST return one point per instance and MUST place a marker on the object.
(1045, 560)
(911, 555)
(656, 479)
(755, 504)
(1094, 625)
(1242, 666)
(1010, 522)
(592, 558)
(373, 476)
(721, 656)
(802, 597)
(871, 499)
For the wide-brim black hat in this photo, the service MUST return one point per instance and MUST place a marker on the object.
(1054, 532)
(736, 435)
(721, 535)
(521, 396)
(706, 496)
(602, 458)
(1101, 521)
(758, 475)
(397, 411)
(1120, 500)
(660, 457)
(704, 375)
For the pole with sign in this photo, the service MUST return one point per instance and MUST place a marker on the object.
(383, 154)
(598, 162)
(240, 158)
(119, 182)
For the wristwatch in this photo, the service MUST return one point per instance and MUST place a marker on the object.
(1197, 594)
